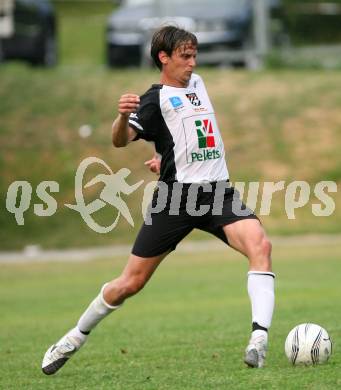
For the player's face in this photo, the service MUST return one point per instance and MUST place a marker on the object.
(179, 67)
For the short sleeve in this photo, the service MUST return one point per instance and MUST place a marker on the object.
(146, 120)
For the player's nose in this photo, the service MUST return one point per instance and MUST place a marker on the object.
(192, 62)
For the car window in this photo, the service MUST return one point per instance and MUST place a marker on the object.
(136, 3)
(233, 5)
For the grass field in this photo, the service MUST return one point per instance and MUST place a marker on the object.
(186, 330)
(189, 327)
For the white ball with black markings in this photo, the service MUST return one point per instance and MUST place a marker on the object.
(308, 344)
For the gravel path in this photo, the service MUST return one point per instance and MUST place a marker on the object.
(36, 254)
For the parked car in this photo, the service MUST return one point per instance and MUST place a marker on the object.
(219, 25)
(28, 31)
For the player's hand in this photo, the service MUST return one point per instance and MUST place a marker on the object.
(154, 164)
(128, 103)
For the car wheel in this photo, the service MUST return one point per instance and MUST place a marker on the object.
(47, 53)
(1, 53)
(111, 57)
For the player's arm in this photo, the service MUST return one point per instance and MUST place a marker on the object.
(122, 133)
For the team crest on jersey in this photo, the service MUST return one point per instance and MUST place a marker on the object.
(193, 98)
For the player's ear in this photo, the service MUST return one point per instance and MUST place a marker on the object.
(163, 57)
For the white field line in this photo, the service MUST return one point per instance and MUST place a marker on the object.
(35, 254)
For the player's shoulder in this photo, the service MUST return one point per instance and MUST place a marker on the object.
(196, 80)
(151, 96)
(150, 102)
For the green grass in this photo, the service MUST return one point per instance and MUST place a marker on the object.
(186, 330)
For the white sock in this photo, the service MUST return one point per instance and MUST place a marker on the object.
(78, 338)
(260, 287)
(97, 310)
(259, 333)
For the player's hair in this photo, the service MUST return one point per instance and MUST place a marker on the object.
(168, 39)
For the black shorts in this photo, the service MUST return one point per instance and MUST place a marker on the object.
(180, 213)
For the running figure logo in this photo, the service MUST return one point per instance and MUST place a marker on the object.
(114, 185)
(205, 133)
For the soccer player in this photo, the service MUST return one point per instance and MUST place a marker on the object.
(178, 117)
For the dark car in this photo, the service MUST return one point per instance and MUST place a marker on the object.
(220, 26)
(28, 31)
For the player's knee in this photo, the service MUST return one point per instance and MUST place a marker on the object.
(260, 255)
(264, 254)
(132, 285)
(266, 247)
(261, 248)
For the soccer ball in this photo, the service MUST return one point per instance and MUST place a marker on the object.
(308, 344)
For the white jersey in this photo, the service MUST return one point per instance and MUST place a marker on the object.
(182, 124)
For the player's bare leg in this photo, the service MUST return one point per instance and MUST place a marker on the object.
(248, 237)
(112, 295)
